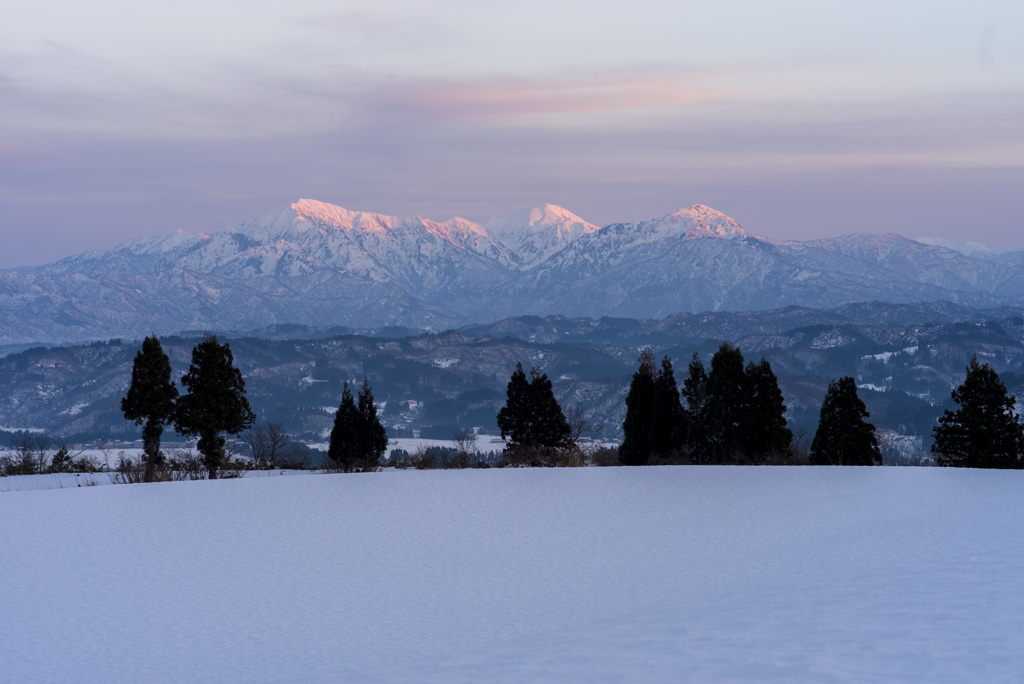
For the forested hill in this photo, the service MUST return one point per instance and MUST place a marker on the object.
(906, 359)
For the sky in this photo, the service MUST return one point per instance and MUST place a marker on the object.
(800, 119)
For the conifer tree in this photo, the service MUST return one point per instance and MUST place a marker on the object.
(636, 429)
(764, 420)
(344, 448)
(549, 424)
(150, 400)
(655, 425)
(695, 392)
(514, 416)
(373, 438)
(985, 431)
(215, 403)
(843, 436)
(531, 416)
(668, 420)
(726, 400)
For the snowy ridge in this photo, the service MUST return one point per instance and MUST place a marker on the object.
(314, 263)
(968, 247)
(536, 233)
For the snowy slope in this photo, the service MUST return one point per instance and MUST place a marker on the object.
(535, 234)
(709, 574)
(317, 264)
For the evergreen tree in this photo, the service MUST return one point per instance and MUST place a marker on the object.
(636, 429)
(549, 425)
(655, 424)
(514, 416)
(985, 431)
(150, 400)
(373, 438)
(764, 420)
(695, 392)
(531, 416)
(843, 436)
(215, 403)
(344, 448)
(725, 405)
(668, 420)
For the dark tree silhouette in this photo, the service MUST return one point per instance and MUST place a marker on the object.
(985, 431)
(531, 416)
(358, 439)
(725, 405)
(636, 429)
(514, 417)
(373, 438)
(655, 425)
(215, 403)
(764, 421)
(343, 448)
(695, 392)
(843, 436)
(668, 424)
(150, 400)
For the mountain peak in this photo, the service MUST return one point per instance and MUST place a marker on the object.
(536, 233)
(540, 217)
(701, 221)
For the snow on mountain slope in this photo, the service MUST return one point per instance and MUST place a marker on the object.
(536, 233)
(969, 248)
(314, 263)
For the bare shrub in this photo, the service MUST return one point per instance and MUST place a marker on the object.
(185, 464)
(128, 470)
(424, 459)
(605, 456)
(537, 457)
(465, 448)
(268, 444)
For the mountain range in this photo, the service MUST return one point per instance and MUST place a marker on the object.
(316, 264)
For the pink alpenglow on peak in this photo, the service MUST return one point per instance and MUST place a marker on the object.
(538, 232)
(701, 221)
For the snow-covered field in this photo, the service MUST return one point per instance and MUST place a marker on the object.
(671, 574)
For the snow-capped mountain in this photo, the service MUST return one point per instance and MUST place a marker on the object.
(313, 263)
(537, 233)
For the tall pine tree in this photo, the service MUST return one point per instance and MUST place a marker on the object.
(636, 429)
(344, 448)
(726, 402)
(985, 431)
(531, 417)
(514, 417)
(548, 422)
(373, 438)
(150, 400)
(655, 425)
(668, 420)
(215, 403)
(695, 392)
(764, 422)
(843, 436)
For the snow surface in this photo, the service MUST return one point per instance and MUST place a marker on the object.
(671, 574)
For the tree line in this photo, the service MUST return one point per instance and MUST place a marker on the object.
(735, 414)
(730, 413)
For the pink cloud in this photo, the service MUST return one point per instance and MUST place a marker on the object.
(506, 99)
